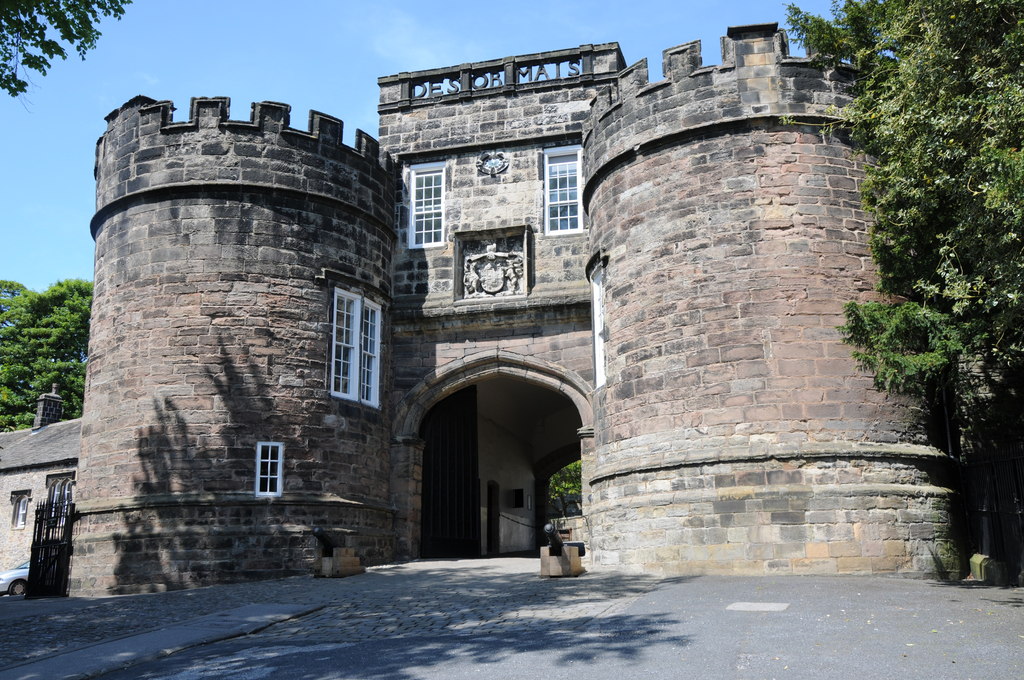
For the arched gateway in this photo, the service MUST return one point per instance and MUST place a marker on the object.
(482, 436)
(544, 256)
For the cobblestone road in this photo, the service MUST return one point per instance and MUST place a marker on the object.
(434, 597)
(498, 596)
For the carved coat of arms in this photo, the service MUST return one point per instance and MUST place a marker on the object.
(492, 273)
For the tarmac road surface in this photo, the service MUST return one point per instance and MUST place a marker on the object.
(496, 619)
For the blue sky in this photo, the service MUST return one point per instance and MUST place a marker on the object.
(311, 54)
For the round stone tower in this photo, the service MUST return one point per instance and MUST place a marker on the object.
(220, 426)
(735, 433)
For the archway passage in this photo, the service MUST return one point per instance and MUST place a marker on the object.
(488, 452)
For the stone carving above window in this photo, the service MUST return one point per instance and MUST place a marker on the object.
(493, 265)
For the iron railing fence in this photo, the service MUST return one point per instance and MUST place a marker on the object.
(50, 566)
(994, 498)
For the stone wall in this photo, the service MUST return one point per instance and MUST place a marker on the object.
(735, 432)
(16, 542)
(539, 103)
(218, 245)
(517, 119)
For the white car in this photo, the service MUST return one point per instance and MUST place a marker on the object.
(14, 581)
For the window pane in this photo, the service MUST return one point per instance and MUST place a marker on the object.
(268, 468)
(562, 192)
(427, 213)
(369, 360)
(345, 319)
(355, 360)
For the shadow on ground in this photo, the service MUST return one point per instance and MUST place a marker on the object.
(409, 621)
(1009, 596)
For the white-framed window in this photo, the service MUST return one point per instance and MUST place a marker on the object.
(355, 348)
(19, 518)
(61, 490)
(269, 468)
(369, 354)
(426, 210)
(563, 212)
(597, 299)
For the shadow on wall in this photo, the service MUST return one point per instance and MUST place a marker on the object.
(200, 445)
(991, 397)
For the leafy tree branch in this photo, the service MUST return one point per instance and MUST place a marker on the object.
(939, 105)
(35, 32)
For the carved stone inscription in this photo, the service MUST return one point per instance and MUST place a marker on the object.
(493, 268)
(476, 81)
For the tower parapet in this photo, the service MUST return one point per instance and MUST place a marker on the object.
(144, 148)
(214, 435)
(757, 78)
(735, 432)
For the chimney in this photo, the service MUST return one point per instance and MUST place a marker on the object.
(49, 409)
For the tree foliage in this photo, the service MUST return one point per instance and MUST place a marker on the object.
(565, 489)
(939, 105)
(44, 339)
(35, 32)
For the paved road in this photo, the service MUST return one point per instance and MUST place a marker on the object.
(463, 619)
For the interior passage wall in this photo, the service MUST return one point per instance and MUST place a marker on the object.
(506, 460)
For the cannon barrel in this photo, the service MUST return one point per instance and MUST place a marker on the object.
(555, 542)
(325, 541)
(554, 539)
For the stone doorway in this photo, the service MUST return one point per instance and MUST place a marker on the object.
(488, 449)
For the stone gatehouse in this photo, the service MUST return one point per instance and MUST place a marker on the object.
(540, 259)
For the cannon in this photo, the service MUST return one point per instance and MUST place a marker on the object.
(325, 541)
(558, 557)
(554, 539)
(555, 542)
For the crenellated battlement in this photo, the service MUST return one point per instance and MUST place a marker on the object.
(144, 149)
(756, 78)
(265, 117)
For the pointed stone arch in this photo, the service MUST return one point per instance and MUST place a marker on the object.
(474, 368)
(407, 446)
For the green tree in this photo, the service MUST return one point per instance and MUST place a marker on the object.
(34, 32)
(9, 290)
(939, 106)
(44, 339)
(565, 489)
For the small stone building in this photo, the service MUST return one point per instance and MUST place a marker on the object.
(540, 259)
(35, 466)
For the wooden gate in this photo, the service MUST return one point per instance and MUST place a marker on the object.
(451, 484)
(50, 567)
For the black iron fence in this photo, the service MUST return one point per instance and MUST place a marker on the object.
(994, 496)
(50, 567)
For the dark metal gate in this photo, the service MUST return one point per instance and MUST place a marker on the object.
(50, 567)
(451, 479)
(994, 493)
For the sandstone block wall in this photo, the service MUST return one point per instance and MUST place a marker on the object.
(734, 421)
(218, 245)
(541, 334)
(519, 119)
(734, 434)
